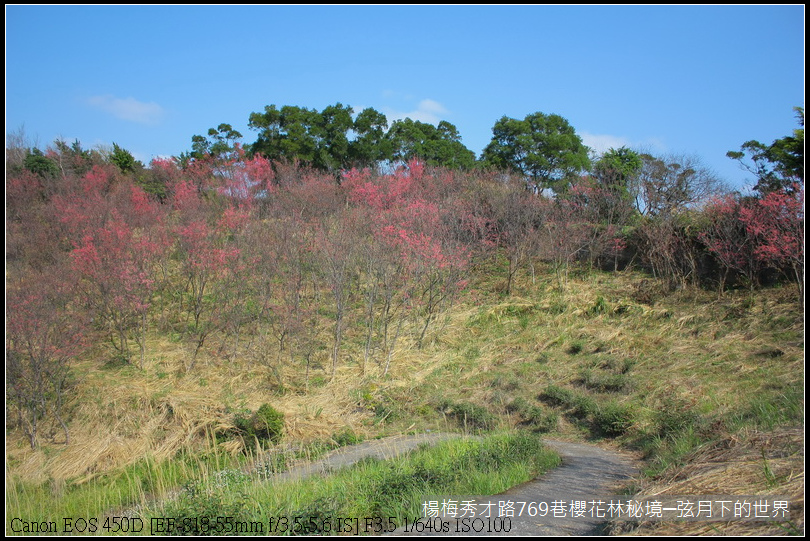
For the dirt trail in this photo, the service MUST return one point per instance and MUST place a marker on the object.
(586, 471)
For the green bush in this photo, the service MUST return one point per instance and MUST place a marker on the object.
(675, 417)
(469, 416)
(557, 396)
(199, 506)
(539, 420)
(268, 423)
(613, 419)
(518, 405)
(533, 416)
(599, 307)
(346, 437)
(265, 425)
(581, 405)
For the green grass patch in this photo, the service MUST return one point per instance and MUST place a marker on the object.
(534, 417)
(111, 492)
(613, 419)
(670, 451)
(470, 417)
(579, 405)
(603, 382)
(372, 488)
(766, 410)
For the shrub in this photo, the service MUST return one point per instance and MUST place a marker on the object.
(534, 416)
(265, 425)
(581, 405)
(613, 419)
(575, 348)
(470, 416)
(539, 420)
(557, 396)
(346, 437)
(674, 418)
(268, 424)
(199, 505)
(599, 307)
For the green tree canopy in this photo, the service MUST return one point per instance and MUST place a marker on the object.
(332, 137)
(370, 144)
(73, 159)
(545, 148)
(123, 159)
(779, 165)
(284, 133)
(41, 165)
(330, 140)
(616, 169)
(219, 144)
(437, 145)
(320, 139)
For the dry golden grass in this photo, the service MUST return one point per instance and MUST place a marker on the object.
(750, 464)
(706, 352)
(123, 414)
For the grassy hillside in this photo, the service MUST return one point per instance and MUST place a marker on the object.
(674, 377)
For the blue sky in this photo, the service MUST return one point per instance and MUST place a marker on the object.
(674, 79)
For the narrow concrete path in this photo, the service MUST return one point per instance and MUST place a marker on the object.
(587, 472)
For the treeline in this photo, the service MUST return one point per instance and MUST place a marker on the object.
(332, 141)
(275, 261)
(545, 148)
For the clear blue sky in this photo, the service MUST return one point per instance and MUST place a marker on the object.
(675, 79)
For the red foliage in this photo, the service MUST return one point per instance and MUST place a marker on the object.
(186, 198)
(212, 269)
(167, 166)
(43, 334)
(777, 223)
(258, 174)
(82, 210)
(746, 234)
(23, 189)
(117, 264)
(39, 323)
(202, 257)
(386, 192)
(727, 238)
(96, 181)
